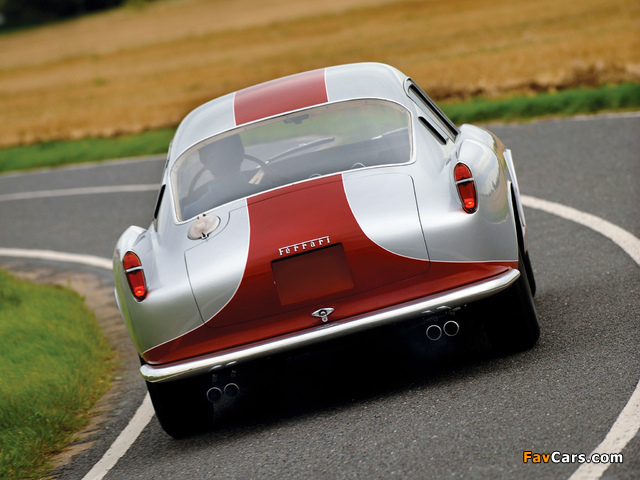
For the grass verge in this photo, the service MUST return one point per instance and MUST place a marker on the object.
(564, 103)
(54, 365)
(567, 102)
(57, 153)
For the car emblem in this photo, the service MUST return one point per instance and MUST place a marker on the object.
(323, 314)
(302, 246)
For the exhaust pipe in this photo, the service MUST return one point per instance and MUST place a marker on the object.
(214, 394)
(231, 390)
(434, 332)
(451, 328)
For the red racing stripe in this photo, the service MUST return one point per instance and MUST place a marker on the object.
(296, 215)
(279, 96)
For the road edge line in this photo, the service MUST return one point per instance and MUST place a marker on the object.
(121, 445)
(627, 425)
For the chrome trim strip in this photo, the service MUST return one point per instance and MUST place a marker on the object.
(396, 313)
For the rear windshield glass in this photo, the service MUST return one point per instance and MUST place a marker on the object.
(319, 141)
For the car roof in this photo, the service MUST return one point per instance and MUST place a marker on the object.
(295, 92)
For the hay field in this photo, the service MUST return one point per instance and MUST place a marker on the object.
(136, 69)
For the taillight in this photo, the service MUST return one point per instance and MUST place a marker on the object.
(466, 186)
(135, 275)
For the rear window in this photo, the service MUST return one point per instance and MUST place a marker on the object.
(311, 143)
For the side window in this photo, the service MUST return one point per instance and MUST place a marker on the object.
(437, 121)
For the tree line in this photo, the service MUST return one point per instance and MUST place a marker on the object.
(18, 13)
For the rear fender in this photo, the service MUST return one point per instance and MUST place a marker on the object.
(169, 309)
(452, 234)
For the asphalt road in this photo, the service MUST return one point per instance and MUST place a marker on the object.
(388, 408)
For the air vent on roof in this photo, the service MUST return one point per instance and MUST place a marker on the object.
(428, 106)
(434, 131)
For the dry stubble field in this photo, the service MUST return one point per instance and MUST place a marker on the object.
(130, 70)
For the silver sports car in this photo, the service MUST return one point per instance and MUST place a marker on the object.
(310, 208)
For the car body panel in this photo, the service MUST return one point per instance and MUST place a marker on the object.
(279, 96)
(223, 257)
(231, 357)
(366, 241)
(384, 205)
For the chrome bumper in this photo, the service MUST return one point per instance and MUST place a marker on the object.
(405, 311)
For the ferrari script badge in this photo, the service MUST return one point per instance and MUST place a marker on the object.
(302, 246)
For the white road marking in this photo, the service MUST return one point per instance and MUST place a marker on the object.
(627, 424)
(89, 260)
(119, 447)
(7, 197)
(625, 240)
(85, 165)
(623, 430)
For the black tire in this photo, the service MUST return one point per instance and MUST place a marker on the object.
(510, 318)
(530, 277)
(525, 255)
(181, 406)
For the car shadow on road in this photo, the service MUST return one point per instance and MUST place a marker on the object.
(359, 368)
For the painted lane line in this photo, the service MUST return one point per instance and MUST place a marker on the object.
(89, 260)
(627, 424)
(67, 192)
(121, 445)
(625, 240)
(85, 166)
(623, 430)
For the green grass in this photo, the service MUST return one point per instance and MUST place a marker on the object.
(54, 365)
(57, 153)
(569, 102)
(564, 103)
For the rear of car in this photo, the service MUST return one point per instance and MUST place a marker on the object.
(310, 208)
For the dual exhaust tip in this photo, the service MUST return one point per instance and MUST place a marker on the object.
(434, 332)
(450, 329)
(215, 394)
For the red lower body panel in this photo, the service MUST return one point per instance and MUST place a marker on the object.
(441, 276)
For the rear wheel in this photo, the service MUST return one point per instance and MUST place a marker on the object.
(181, 406)
(525, 255)
(530, 277)
(510, 318)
